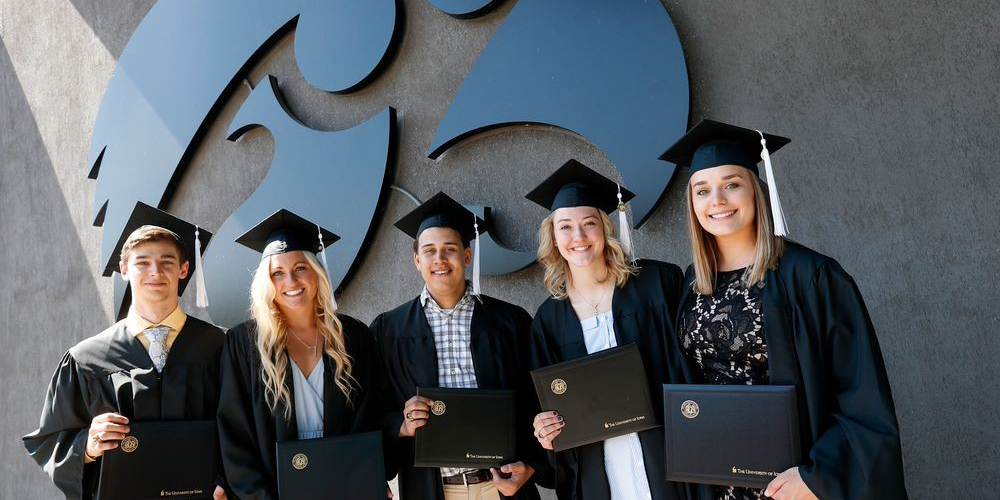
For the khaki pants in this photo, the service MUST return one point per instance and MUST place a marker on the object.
(481, 491)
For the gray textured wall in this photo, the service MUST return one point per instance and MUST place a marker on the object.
(892, 107)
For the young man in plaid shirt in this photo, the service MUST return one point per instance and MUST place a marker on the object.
(449, 336)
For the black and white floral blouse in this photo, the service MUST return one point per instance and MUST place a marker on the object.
(723, 334)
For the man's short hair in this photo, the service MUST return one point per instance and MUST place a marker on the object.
(149, 234)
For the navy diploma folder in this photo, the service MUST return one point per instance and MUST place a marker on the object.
(736, 435)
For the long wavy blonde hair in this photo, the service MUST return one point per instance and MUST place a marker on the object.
(557, 274)
(705, 253)
(272, 335)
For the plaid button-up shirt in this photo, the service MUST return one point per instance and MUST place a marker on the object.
(452, 329)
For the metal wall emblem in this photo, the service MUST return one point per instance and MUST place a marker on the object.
(466, 9)
(349, 209)
(614, 73)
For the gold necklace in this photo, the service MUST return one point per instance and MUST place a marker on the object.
(594, 305)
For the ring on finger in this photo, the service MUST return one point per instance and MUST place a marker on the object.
(409, 415)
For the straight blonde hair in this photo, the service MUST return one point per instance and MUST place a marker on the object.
(705, 253)
(272, 335)
(557, 274)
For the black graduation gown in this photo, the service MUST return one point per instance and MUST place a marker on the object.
(249, 429)
(498, 338)
(821, 340)
(112, 372)
(644, 310)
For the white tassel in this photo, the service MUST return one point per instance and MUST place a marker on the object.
(476, 289)
(201, 293)
(326, 267)
(772, 189)
(625, 229)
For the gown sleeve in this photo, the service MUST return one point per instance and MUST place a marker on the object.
(562, 470)
(858, 455)
(244, 470)
(528, 449)
(371, 408)
(390, 411)
(59, 442)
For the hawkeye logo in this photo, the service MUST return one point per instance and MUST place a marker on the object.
(611, 72)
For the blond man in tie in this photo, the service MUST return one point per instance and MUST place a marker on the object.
(156, 364)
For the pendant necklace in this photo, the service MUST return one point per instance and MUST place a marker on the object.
(312, 348)
(593, 305)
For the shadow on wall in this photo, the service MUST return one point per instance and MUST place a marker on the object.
(46, 275)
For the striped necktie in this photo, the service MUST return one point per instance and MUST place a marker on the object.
(157, 335)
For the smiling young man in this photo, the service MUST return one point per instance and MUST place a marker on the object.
(449, 337)
(156, 364)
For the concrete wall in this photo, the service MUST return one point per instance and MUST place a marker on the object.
(892, 107)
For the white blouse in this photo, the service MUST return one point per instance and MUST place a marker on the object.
(623, 461)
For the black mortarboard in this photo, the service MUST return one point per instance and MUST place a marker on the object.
(711, 144)
(145, 215)
(441, 211)
(577, 185)
(283, 232)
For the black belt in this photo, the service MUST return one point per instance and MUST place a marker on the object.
(474, 477)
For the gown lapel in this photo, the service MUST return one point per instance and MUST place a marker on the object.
(144, 379)
(174, 385)
(571, 343)
(422, 353)
(336, 420)
(781, 366)
(287, 429)
(484, 360)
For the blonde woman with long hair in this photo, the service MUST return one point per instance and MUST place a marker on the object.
(759, 309)
(297, 369)
(599, 300)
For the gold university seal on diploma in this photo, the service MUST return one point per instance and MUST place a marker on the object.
(129, 444)
(300, 461)
(558, 386)
(438, 408)
(690, 409)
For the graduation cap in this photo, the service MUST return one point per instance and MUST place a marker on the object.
(283, 232)
(711, 144)
(192, 239)
(577, 185)
(442, 211)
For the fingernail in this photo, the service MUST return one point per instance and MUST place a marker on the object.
(560, 418)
